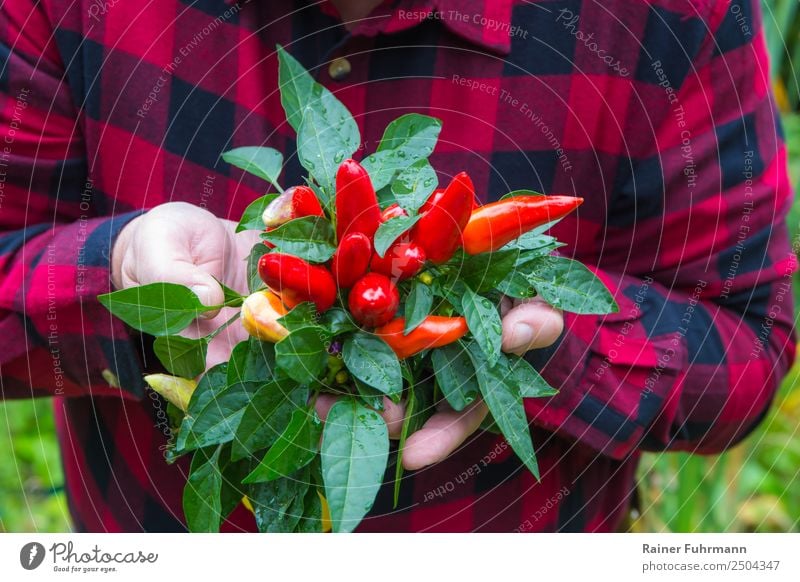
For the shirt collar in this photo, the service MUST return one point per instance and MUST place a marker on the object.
(486, 23)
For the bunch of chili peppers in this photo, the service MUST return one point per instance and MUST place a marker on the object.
(449, 220)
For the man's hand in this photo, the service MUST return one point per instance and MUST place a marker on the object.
(527, 325)
(185, 244)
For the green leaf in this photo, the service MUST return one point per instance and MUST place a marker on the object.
(156, 309)
(372, 361)
(533, 241)
(413, 134)
(310, 238)
(405, 430)
(278, 504)
(323, 146)
(483, 320)
(251, 218)
(502, 396)
(456, 375)
(210, 383)
(295, 448)
(418, 305)
(302, 354)
(231, 298)
(252, 361)
(182, 356)
(254, 282)
(414, 185)
(406, 140)
(527, 378)
(202, 504)
(570, 286)
(337, 321)
(266, 163)
(311, 521)
(355, 451)
(266, 416)
(390, 231)
(214, 420)
(371, 397)
(485, 271)
(302, 315)
(233, 471)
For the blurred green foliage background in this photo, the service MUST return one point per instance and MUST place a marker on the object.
(752, 487)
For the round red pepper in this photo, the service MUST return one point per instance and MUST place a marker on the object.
(402, 261)
(493, 226)
(297, 280)
(351, 259)
(357, 207)
(434, 332)
(295, 202)
(373, 300)
(439, 229)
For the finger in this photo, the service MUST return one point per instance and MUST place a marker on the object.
(393, 414)
(166, 252)
(505, 305)
(441, 435)
(534, 324)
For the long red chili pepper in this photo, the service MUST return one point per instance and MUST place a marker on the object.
(439, 229)
(297, 280)
(434, 332)
(493, 226)
(351, 259)
(357, 207)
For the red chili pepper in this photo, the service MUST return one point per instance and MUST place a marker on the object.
(295, 202)
(373, 300)
(495, 225)
(297, 280)
(402, 261)
(357, 207)
(434, 332)
(434, 198)
(351, 259)
(439, 229)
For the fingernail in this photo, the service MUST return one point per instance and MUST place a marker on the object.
(521, 335)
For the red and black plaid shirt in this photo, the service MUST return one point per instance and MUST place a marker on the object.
(658, 113)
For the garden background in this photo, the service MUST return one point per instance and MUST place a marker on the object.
(753, 487)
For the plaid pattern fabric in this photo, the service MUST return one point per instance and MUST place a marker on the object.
(658, 113)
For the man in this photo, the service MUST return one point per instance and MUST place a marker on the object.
(659, 114)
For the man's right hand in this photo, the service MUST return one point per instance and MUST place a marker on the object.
(185, 244)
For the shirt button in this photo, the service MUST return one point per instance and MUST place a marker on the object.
(339, 68)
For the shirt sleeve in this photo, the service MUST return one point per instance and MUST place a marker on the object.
(703, 337)
(56, 232)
